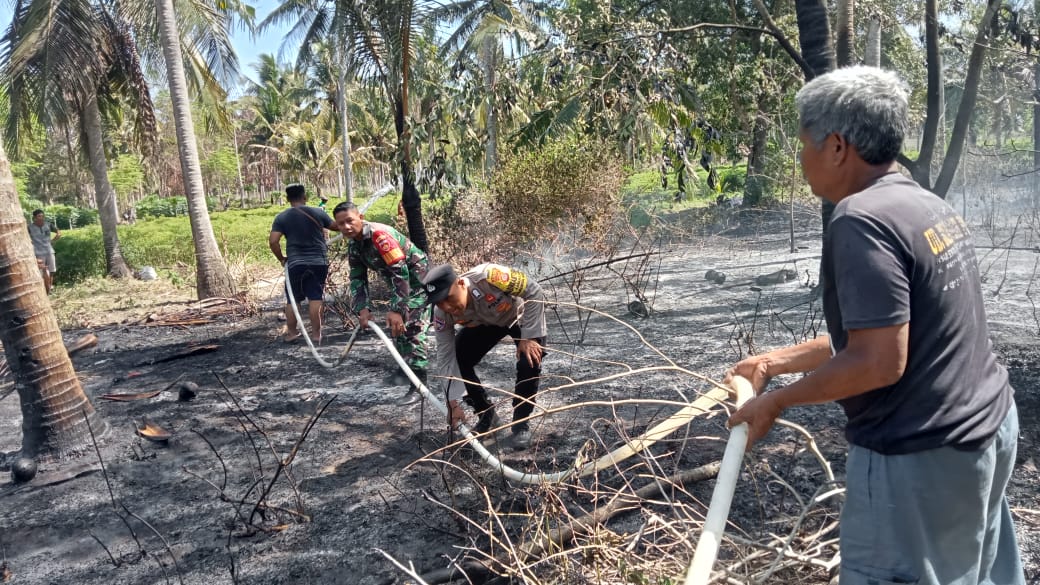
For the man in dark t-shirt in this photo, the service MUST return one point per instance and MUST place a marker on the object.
(305, 258)
(932, 426)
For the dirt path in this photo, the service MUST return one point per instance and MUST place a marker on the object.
(361, 478)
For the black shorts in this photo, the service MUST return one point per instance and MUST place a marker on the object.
(308, 281)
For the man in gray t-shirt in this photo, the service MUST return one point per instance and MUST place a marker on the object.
(305, 258)
(40, 231)
(932, 427)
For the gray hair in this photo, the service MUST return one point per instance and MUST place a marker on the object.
(865, 105)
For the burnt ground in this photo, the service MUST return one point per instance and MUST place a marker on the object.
(372, 477)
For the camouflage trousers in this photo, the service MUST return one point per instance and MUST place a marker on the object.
(413, 345)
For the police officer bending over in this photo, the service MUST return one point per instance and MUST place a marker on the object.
(489, 301)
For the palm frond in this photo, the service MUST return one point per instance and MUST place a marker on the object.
(549, 123)
(53, 51)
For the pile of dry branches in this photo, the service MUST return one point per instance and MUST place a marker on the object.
(203, 312)
(639, 522)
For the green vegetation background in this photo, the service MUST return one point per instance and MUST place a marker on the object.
(165, 242)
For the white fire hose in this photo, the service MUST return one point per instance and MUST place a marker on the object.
(701, 405)
(718, 511)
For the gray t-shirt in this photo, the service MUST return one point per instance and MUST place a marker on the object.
(41, 238)
(895, 253)
(304, 229)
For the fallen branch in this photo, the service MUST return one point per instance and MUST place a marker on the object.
(189, 352)
(86, 342)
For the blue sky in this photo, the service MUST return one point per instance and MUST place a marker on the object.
(249, 49)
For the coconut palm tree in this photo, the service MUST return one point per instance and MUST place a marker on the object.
(482, 28)
(210, 30)
(65, 62)
(54, 408)
(382, 44)
(321, 29)
(378, 34)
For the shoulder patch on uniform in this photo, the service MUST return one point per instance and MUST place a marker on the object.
(388, 247)
(438, 323)
(506, 279)
(498, 275)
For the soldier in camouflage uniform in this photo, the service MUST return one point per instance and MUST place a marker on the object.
(490, 302)
(402, 265)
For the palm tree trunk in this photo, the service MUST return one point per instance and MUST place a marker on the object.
(106, 196)
(213, 278)
(872, 53)
(409, 194)
(845, 10)
(967, 105)
(344, 119)
(814, 34)
(53, 402)
(922, 169)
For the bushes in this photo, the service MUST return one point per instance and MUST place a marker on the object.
(563, 183)
(166, 242)
(155, 206)
(67, 217)
(79, 254)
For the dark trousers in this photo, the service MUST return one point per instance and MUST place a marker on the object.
(472, 344)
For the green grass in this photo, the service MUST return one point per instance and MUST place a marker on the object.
(166, 242)
(644, 196)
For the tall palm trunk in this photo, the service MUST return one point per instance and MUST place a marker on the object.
(409, 194)
(844, 42)
(344, 118)
(872, 53)
(213, 279)
(922, 171)
(53, 402)
(105, 194)
(814, 33)
(489, 52)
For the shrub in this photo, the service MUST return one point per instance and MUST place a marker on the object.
(79, 254)
(67, 217)
(166, 242)
(731, 179)
(460, 229)
(155, 206)
(562, 183)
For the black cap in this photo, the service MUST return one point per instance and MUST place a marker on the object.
(438, 282)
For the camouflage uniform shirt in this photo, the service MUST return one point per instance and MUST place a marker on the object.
(400, 262)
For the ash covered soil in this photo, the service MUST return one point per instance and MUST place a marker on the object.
(373, 480)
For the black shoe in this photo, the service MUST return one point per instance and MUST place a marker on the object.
(413, 394)
(396, 378)
(488, 420)
(521, 438)
(410, 397)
